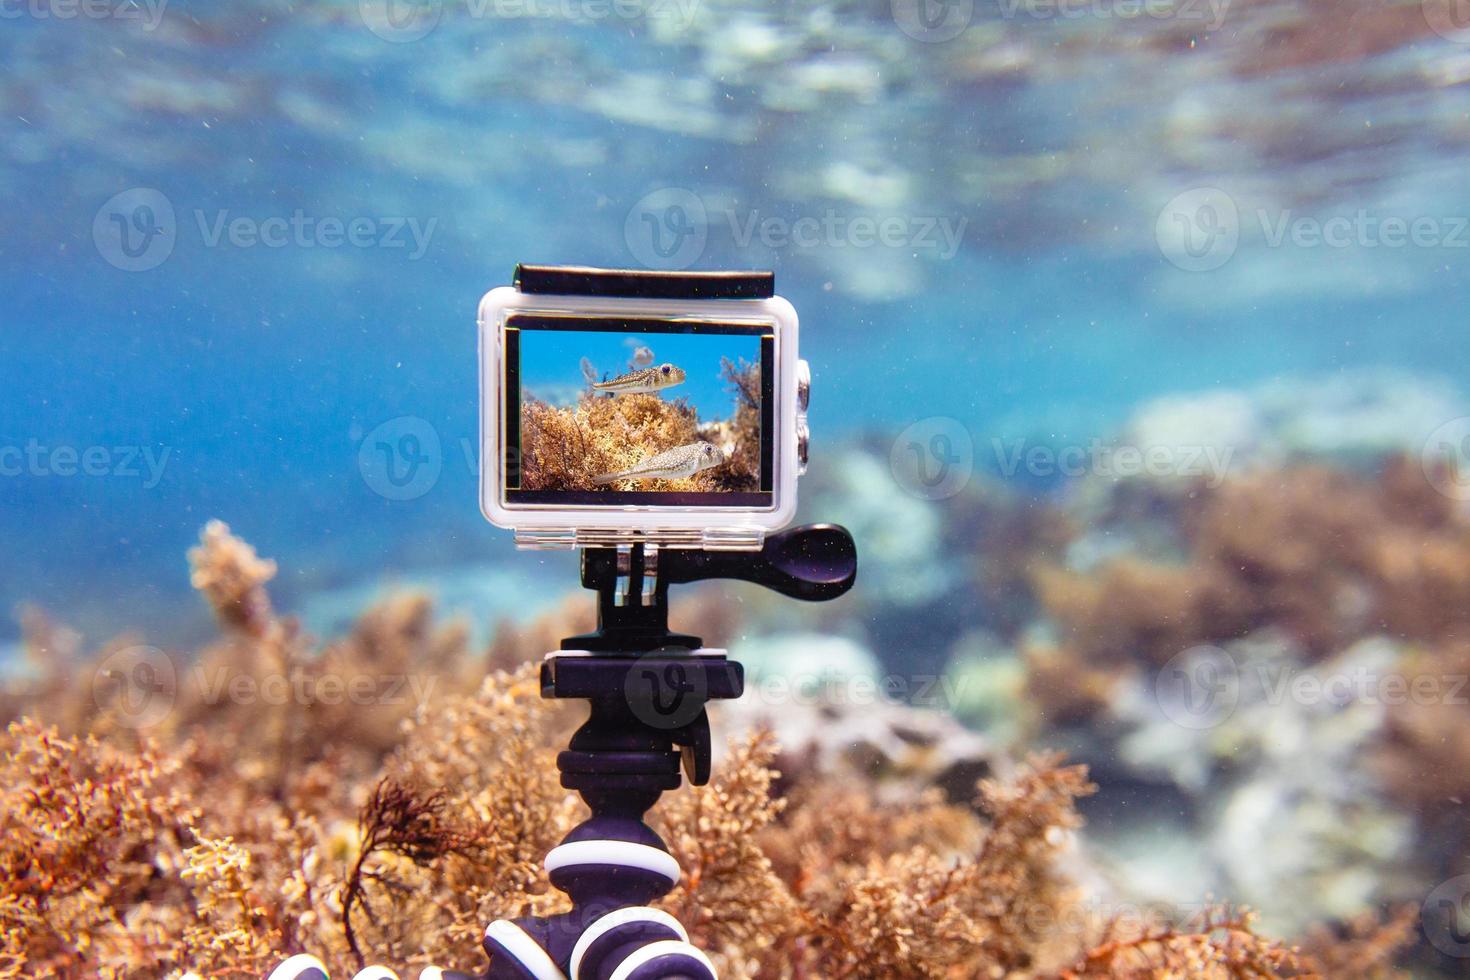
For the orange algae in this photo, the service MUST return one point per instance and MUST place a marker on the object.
(229, 835)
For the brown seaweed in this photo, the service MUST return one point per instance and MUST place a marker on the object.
(234, 833)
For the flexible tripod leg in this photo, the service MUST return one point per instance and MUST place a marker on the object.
(628, 943)
(611, 866)
(603, 937)
(305, 967)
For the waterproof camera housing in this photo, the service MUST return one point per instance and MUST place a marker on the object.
(619, 407)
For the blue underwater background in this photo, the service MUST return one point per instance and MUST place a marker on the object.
(550, 364)
(1022, 287)
(1030, 242)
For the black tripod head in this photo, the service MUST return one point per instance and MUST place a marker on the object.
(647, 686)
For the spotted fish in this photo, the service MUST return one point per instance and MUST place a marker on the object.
(644, 379)
(671, 464)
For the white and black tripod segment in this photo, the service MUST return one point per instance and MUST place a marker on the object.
(305, 967)
(633, 942)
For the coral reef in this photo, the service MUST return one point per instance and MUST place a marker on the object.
(92, 849)
(565, 447)
(935, 571)
(1263, 667)
(839, 720)
(233, 831)
(1322, 554)
(1333, 601)
(742, 432)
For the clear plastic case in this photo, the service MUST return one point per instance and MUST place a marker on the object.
(710, 525)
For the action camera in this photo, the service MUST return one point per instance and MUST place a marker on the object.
(625, 406)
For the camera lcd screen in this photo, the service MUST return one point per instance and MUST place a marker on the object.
(620, 411)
